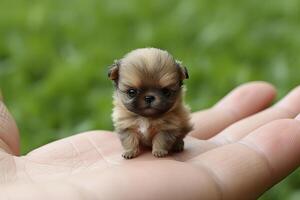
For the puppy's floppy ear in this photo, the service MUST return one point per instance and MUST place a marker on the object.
(182, 70)
(113, 72)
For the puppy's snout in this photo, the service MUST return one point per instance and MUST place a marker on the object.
(149, 99)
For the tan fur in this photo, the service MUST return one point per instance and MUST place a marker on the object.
(151, 62)
(154, 67)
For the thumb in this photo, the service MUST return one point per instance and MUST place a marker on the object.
(9, 134)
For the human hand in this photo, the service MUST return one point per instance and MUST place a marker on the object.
(238, 150)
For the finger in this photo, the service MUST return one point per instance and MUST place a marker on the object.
(246, 169)
(238, 104)
(9, 134)
(288, 107)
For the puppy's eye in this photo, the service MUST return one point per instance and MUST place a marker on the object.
(132, 93)
(167, 92)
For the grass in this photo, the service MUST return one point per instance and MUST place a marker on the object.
(54, 56)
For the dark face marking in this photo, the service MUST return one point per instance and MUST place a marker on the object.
(149, 101)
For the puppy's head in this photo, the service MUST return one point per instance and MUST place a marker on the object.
(148, 81)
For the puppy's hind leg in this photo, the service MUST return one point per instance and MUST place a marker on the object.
(178, 145)
(130, 143)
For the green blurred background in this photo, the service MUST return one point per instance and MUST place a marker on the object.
(54, 56)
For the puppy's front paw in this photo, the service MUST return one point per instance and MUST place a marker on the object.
(160, 153)
(130, 154)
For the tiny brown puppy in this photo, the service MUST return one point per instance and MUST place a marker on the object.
(148, 102)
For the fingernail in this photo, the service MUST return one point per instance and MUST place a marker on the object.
(298, 117)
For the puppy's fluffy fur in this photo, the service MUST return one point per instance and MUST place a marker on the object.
(148, 102)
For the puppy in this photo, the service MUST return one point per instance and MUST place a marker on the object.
(148, 102)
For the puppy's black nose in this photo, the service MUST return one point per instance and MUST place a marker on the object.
(149, 99)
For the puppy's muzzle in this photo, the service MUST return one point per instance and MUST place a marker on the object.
(149, 99)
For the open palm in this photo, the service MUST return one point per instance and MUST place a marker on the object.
(239, 148)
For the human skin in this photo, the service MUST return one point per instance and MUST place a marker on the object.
(238, 149)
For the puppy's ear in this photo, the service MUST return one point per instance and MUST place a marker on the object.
(113, 72)
(182, 71)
